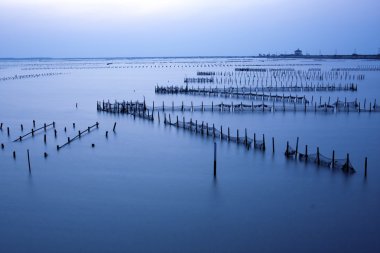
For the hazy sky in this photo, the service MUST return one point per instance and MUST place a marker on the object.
(100, 28)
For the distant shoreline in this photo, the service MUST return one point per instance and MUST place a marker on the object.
(324, 57)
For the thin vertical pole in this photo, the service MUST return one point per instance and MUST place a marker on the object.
(30, 171)
(214, 159)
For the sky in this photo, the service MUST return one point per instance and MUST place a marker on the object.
(133, 28)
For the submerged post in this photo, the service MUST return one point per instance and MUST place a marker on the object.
(297, 147)
(30, 171)
(214, 159)
(272, 144)
(114, 126)
(333, 160)
(365, 167)
(318, 160)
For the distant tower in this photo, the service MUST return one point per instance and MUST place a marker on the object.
(298, 52)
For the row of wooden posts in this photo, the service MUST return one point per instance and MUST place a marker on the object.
(137, 108)
(204, 129)
(45, 127)
(16, 77)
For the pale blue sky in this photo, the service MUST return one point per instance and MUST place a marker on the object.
(101, 28)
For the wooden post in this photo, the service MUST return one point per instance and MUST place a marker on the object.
(287, 148)
(213, 131)
(14, 154)
(365, 167)
(263, 142)
(22, 128)
(245, 137)
(8, 131)
(214, 159)
(272, 144)
(30, 171)
(228, 134)
(74, 125)
(106, 134)
(55, 133)
(114, 126)
(177, 122)
(297, 147)
(68, 139)
(34, 123)
(237, 135)
(348, 162)
(306, 155)
(333, 160)
(44, 138)
(318, 158)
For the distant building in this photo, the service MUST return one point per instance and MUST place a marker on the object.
(298, 52)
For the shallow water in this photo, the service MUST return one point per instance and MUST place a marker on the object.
(150, 187)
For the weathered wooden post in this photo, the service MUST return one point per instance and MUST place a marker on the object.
(34, 123)
(8, 131)
(306, 155)
(318, 158)
(365, 167)
(14, 154)
(22, 128)
(45, 138)
(287, 149)
(106, 134)
(228, 134)
(297, 147)
(214, 159)
(333, 160)
(30, 171)
(237, 135)
(245, 137)
(263, 142)
(272, 144)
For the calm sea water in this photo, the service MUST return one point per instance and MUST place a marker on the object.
(150, 187)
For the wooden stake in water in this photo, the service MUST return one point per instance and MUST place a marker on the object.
(214, 159)
(272, 144)
(30, 171)
(114, 126)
